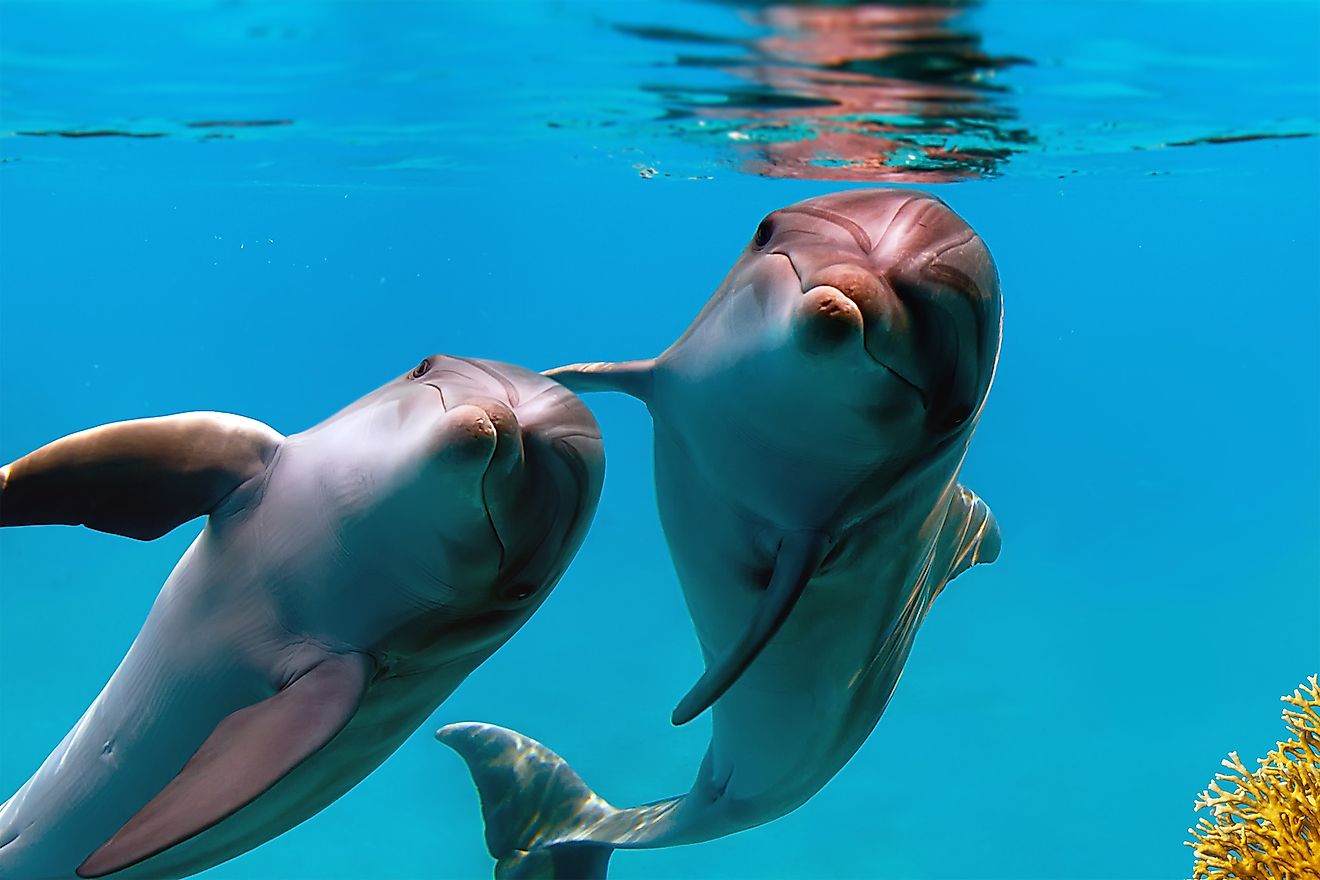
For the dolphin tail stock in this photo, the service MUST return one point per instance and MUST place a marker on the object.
(633, 378)
(542, 820)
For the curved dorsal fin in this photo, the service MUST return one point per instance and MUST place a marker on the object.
(970, 535)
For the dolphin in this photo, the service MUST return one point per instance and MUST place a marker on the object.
(809, 429)
(347, 579)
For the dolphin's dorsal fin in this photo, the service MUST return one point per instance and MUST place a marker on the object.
(799, 556)
(247, 753)
(971, 532)
(139, 478)
(630, 377)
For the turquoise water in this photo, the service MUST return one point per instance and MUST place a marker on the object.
(534, 183)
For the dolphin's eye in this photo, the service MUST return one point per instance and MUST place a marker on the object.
(517, 592)
(421, 369)
(764, 233)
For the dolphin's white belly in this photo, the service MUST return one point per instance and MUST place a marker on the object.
(181, 676)
(805, 705)
(760, 432)
(807, 702)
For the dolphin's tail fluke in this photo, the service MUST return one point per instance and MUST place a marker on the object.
(566, 861)
(542, 821)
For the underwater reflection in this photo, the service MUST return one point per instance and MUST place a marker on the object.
(870, 91)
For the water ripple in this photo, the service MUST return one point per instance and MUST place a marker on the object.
(899, 92)
(913, 91)
(412, 93)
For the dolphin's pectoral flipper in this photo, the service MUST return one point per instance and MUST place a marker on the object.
(799, 555)
(629, 377)
(537, 810)
(139, 478)
(246, 754)
(972, 532)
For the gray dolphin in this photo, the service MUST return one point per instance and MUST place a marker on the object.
(347, 580)
(809, 430)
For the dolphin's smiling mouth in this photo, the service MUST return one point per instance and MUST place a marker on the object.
(921, 392)
(485, 499)
(443, 403)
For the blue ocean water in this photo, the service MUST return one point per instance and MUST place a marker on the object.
(273, 208)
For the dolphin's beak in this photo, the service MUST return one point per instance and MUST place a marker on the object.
(462, 447)
(502, 483)
(844, 304)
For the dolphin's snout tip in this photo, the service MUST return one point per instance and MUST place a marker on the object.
(826, 319)
(858, 283)
(473, 424)
(508, 433)
(467, 435)
(844, 302)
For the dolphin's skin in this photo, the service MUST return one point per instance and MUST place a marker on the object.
(347, 580)
(809, 429)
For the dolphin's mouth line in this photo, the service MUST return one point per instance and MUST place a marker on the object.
(485, 501)
(439, 391)
(921, 392)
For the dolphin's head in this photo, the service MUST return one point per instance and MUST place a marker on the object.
(472, 481)
(895, 279)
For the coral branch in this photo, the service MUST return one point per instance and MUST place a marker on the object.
(1264, 827)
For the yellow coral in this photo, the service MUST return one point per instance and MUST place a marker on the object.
(1265, 829)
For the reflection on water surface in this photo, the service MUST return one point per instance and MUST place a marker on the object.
(868, 92)
(898, 92)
